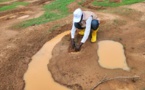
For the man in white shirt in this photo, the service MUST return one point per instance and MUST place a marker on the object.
(84, 20)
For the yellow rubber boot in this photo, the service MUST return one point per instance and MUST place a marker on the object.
(81, 32)
(94, 35)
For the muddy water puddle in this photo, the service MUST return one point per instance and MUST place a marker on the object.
(111, 55)
(38, 76)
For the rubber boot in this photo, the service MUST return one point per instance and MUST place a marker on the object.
(81, 32)
(94, 35)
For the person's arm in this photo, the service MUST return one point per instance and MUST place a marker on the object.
(87, 30)
(86, 34)
(73, 30)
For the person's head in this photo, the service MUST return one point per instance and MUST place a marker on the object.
(77, 15)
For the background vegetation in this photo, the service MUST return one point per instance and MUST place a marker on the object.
(58, 9)
(55, 10)
(106, 3)
(12, 6)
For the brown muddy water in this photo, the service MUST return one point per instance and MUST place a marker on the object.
(111, 55)
(38, 76)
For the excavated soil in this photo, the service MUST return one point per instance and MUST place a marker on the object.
(76, 70)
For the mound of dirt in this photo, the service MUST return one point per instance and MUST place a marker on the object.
(81, 69)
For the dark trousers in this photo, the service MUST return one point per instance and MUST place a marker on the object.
(94, 25)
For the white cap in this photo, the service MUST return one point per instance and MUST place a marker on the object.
(77, 15)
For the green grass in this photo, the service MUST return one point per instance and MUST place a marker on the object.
(4, 0)
(12, 6)
(106, 3)
(53, 11)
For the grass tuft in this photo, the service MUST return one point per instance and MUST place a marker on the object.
(4, 0)
(106, 3)
(12, 6)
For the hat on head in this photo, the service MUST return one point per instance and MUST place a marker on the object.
(77, 15)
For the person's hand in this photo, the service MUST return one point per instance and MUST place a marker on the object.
(78, 48)
(72, 43)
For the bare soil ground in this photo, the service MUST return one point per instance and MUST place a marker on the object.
(79, 71)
